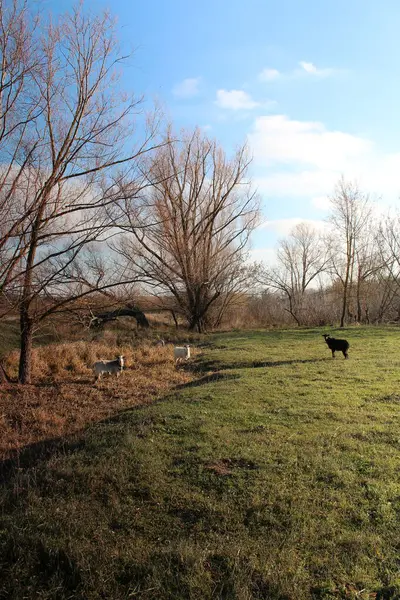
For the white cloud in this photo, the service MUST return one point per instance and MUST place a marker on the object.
(187, 88)
(296, 183)
(266, 255)
(304, 159)
(321, 202)
(269, 75)
(311, 69)
(308, 67)
(285, 226)
(278, 139)
(235, 100)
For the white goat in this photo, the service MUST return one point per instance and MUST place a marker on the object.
(108, 366)
(181, 352)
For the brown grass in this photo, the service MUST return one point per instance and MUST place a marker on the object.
(65, 397)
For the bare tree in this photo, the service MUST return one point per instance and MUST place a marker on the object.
(190, 237)
(301, 258)
(351, 212)
(69, 169)
(388, 245)
(20, 109)
(369, 264)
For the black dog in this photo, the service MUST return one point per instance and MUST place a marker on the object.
(334, 344)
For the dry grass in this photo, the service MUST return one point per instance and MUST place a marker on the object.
(65, 397)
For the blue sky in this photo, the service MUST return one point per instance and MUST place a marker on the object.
(313, 85)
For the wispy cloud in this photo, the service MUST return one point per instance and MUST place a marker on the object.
(235, 100)
(239, 100)
(187, 88)
(285, 226)
(266, 255)
(305, 69)
(269, 75)
(311, 69)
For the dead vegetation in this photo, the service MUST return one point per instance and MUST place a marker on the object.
(65, 397)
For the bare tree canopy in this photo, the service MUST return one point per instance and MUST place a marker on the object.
(189, 238)
(388, 249)
(351, 213)
(301, 257)
(68, 143)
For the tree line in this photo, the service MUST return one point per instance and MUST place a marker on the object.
(349, 273)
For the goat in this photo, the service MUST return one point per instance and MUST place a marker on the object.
(336, 344)
(108, 366)
(181, 352)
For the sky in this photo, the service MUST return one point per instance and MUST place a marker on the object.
(313, 86)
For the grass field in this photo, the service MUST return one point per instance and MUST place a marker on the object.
(273, 473)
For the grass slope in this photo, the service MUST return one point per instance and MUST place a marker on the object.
(275, 475)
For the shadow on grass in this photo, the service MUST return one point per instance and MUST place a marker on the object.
(217, 376)
(33, 454)
(218, 365)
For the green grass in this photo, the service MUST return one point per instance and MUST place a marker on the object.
(274, 476)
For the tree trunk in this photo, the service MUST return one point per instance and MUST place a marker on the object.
(175, 319)
(344, 306)
(197, 322)
(193, 324)
(293, 315)
(359, 307)
(348, 279)
(291, 310)
(359, 311)
(25, 360)
(25, 320)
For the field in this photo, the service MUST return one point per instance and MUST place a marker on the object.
(264, 469)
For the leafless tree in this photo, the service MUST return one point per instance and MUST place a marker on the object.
(388, 245)
(301, 258)
(68, 168)
(368, 265)
(351, 212)
(20, 109)
(190, 237)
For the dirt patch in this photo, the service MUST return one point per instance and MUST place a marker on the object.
(226, 466)
(386, 399)
(220, 467)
